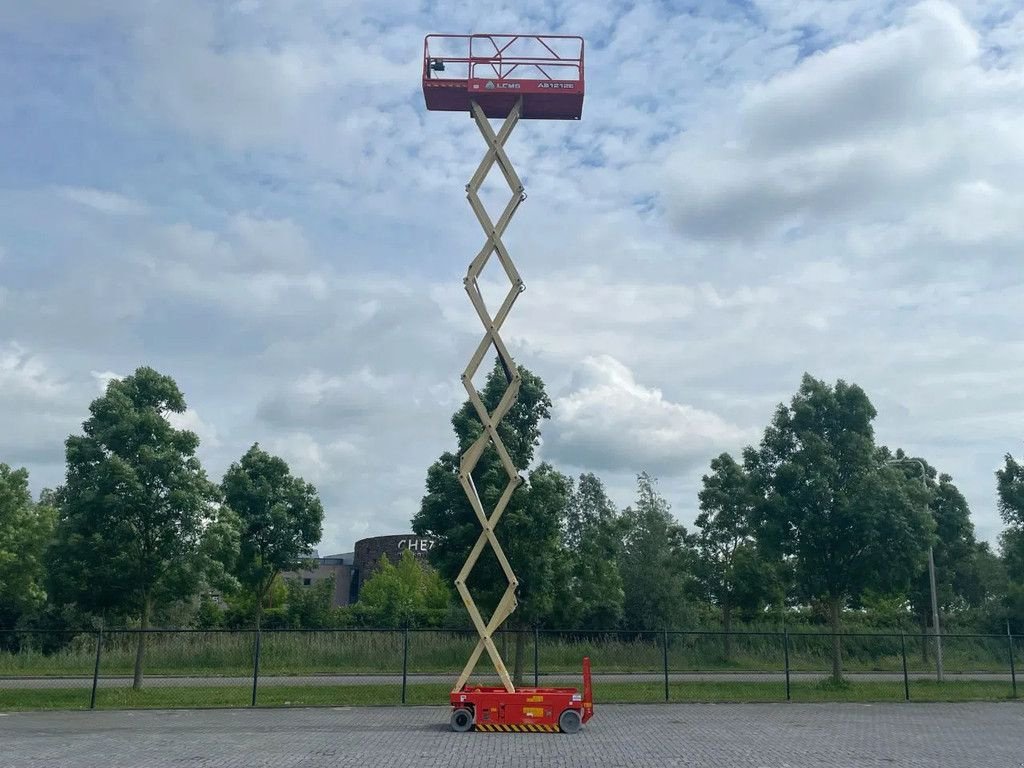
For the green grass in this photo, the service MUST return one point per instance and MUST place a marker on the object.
(368, 652)
(296, 653)
(163, 697)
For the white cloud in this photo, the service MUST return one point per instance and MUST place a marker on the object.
(279, 243)
(191, 421)
(876, 84)
(38, 411)
(28, 375)
(103, 201)
(900, 125)
(103, 379)
(610, 422)
(264, 92)
(830, 185)
(312, 459)
(317, 400)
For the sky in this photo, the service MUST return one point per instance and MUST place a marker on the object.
(250, 197)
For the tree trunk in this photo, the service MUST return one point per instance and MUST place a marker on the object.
(140, 648)
(264, 590)
(517, 665)
(727, 628)
(835, 606)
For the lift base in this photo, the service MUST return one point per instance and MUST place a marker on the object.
(525, 710)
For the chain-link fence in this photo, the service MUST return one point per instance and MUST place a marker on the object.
(47, 669)
(364, 667)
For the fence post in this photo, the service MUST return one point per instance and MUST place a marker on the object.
(96, 668)
(664, 654)
(536, 656)
(405, 660)
(256, 666)
(1013, 668)
(785, 648)
(906, 679)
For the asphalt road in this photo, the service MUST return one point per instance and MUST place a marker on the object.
(985, 735)
(682, 677)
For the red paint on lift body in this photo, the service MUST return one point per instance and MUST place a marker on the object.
(527, 709)
(546, 71)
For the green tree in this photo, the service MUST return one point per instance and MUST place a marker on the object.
(133, 507)
(309, 607)
(1010, 487)
(730, 570)
(847, 524)
(530, 527)
(219, 549)
(656, 562)
(280, 518)
(592, 541)
(953, 548)
(986, 589)
(410, 593)
(209, 614)
(25, 532)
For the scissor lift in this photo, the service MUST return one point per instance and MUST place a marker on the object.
(512, 77)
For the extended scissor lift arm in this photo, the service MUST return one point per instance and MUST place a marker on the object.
(489, 434)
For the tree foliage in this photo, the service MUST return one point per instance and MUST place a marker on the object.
(846, 523)
(312, 606)
(530, 527)
(656, 562)
(133, 507)
(954, 546)
(25, 532)
(279, 518)
(1010, 487)
(729, 567)
(592, 540)
(408, 594)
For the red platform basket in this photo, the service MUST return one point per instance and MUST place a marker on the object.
(546, 71)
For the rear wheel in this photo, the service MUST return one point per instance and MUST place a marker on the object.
(569, 721)
(462, 720)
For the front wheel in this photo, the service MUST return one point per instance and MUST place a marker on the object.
(570, 721)
(462, 720)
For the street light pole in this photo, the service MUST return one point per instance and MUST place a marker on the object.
(931, 576)
(935, 616)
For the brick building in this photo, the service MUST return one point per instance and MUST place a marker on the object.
(350, 569)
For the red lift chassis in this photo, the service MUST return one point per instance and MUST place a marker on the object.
(527, 710)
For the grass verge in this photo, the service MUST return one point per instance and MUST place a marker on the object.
(194, 697)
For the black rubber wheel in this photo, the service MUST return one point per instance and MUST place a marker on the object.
(462, 720)
(569, 721)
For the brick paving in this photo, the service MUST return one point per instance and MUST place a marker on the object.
(678, 735)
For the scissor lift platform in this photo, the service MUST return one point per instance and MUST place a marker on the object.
(526, 710)
(495, 71)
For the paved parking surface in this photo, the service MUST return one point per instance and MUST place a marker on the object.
(678, 735)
